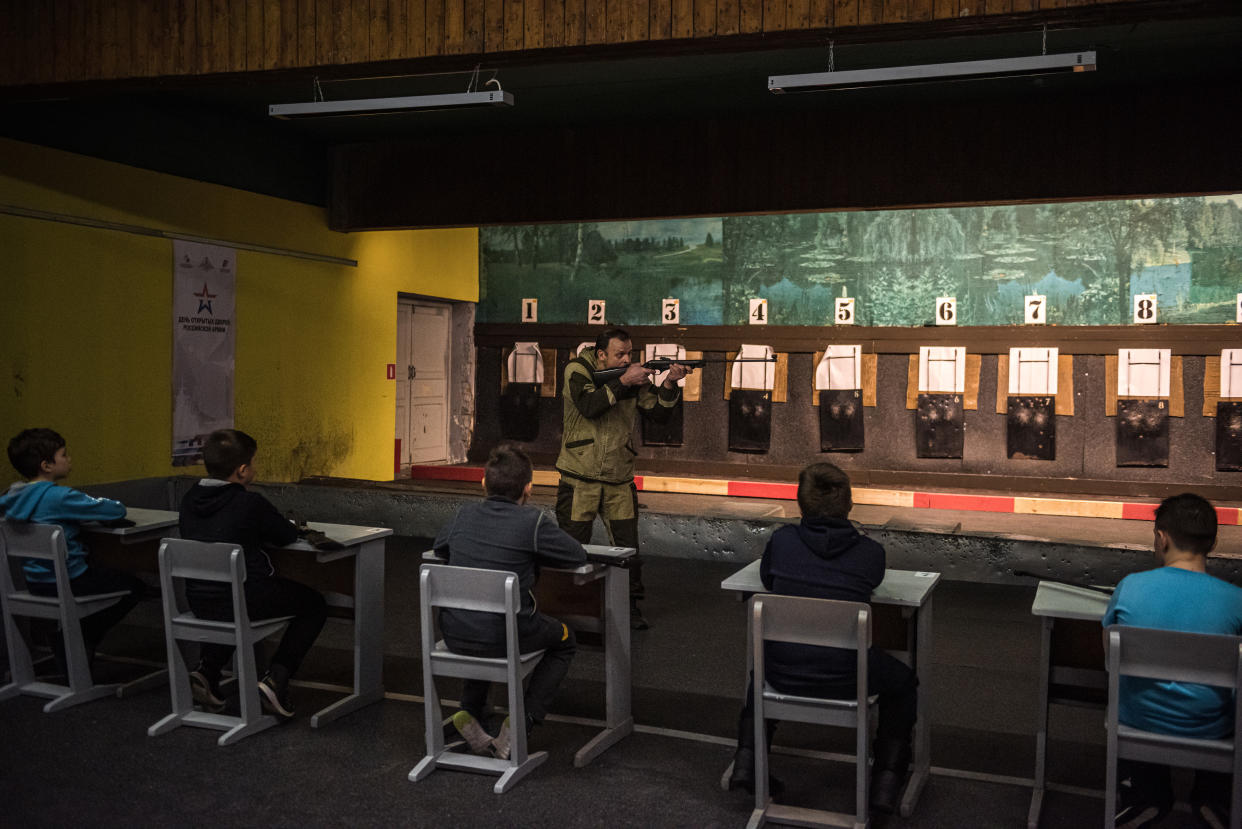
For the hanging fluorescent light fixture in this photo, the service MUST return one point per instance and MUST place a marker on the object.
(1067, 63)
(385, 106)
(472, 98)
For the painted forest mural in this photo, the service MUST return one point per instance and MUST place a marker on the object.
(1088, 258)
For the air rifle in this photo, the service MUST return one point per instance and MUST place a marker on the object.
(665, 363)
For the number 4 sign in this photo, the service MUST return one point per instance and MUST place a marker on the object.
(758, 312)
(670, 312)
(1144, 309)
(845, 310)
(1036, 309)
(595, 311)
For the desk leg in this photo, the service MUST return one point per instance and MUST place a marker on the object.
(750, 666)
(368, 635)
(922, 728)
(619, 719)
(1041, 724)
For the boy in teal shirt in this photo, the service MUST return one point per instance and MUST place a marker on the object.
(40, 456)
(1179, 595)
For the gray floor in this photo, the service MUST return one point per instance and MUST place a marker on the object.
(94, 765)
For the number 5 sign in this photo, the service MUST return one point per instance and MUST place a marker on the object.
(845, 311)
(946, 310)
(1036, 309)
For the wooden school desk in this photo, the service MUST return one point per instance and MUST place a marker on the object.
(911, 591)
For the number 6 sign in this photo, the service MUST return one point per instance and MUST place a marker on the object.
(946, 310)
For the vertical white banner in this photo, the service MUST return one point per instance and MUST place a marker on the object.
(203, 346)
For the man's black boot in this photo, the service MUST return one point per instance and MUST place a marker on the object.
(888, 774)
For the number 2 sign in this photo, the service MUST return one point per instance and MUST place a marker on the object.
(595, 311)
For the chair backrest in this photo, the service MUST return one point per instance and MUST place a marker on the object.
(21, 540)
(823, 622)
(202, 560)
(1203, 658)
(469, 588)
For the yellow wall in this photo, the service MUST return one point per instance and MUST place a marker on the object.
(85, 317)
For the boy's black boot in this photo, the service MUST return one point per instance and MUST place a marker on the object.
(888, 773)
(743, 776)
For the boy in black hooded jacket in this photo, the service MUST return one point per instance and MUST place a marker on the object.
(219, 508)
(826, 557)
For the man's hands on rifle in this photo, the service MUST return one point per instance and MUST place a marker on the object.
(676, 372)
(636, 375)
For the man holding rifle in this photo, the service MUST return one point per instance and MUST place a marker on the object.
(597, 453)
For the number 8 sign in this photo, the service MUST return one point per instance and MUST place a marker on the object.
(1144, 309)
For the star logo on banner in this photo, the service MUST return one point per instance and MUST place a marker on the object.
(204, 299)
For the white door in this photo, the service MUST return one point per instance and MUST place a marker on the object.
(422, 382)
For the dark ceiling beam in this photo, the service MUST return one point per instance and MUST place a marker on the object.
(1121, 142)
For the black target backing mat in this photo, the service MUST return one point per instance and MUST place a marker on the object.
(750, 420)
(1142, 433)
(1031, 432)
(519, 411)
(840, 420)
(939, 426)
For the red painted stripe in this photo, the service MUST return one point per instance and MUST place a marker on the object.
(922, 500)
(638, 482)
(447, 473)
(1229, 515)
(758, 489)
(397, 458)
(1139, 512)
(972, 503)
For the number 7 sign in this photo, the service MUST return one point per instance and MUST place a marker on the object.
(1036, 309)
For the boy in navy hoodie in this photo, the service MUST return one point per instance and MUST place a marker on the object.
(826, 557)
(219, 508)
(39, 455)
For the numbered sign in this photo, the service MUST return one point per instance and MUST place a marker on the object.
(1144, 309)
(946, 310)
(1036, 309)
(1239, 308)
(595, 312)
(758, 312)
(845, 310)
(530, 310)
(670, 312)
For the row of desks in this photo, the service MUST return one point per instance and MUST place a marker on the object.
(908, 593)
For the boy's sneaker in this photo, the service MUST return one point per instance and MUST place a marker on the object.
(274, 695)
(475, 735)
(206, 692)
(1138, 809)
(1211, 815)
(501, 742)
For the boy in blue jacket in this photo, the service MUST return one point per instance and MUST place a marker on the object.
(826, 557)
(40, 457)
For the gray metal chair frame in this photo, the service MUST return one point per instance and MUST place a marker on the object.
(46, 542)
(1207, 659)
(180, 560)
(489, 591)
(826, 623)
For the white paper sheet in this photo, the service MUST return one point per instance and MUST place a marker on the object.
(942, 369)
(1033, 370)
(1143, 373)
(754, 375)
(525, 363)
(839, 368)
